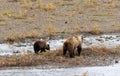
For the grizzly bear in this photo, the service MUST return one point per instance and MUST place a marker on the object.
(72, 44)
(41, 46)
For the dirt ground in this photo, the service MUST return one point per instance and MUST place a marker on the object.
(20, 19)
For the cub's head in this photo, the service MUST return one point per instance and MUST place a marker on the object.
(47, 46)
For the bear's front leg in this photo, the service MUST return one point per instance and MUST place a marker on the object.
(43, 50)
(71, 53)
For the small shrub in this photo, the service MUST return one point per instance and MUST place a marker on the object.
(95, 29)
(11, 37)
(49, 6)
(20, 15)
(12, 0)
(90, 3)
(33, 34)
(50, 30)
(7, 13)
(2, 19)
(27, 3)
(85, 74)
(40, 4)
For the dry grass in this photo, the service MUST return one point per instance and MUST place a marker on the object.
(104, 14)
(57, 13)
(2, 19)
(49, 6)
(85, 74)
(20, 15)
(18, 36)
(40, 4)
(11, 37)
(50, 30)
(90, 3)
(12, 0)
(95, 29)
(8, 13)
(56, 58)
(111, 4)
(17, 15)
(103, 50)
(27, 4)
(63, 3)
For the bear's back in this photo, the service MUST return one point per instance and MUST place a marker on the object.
(40, 43)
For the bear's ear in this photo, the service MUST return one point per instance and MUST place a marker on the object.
(82, 37)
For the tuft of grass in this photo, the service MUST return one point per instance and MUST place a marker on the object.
(12, 0)
(28, 20)
(40, 4)
(65, 3)
(2, 19)
(27, 4)
(7, 13)
(104, 50)
(2, 23)
(33, 34)
(105, 14)
(50, 18)
(11, 37)
(95, 29)
(20, 15)
(50, 30)
(49, 6)
(90, 3)
(85, 74)
(16, 36)
(111, 4)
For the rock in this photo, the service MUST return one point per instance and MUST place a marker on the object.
(116, 61)
(16, 51)
(99, 39)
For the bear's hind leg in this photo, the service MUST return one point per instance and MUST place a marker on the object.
(64, 50)
(79, 48)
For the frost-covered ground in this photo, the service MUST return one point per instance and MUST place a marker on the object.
(22, 48)
(109, 40)
(112, 70)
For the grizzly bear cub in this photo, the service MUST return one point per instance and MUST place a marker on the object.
(41, 46)
(71, 44)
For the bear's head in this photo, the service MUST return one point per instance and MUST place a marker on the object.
(47, 46)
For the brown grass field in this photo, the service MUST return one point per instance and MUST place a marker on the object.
(20, 19)
(89, 57)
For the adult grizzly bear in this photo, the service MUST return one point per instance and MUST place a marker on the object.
(41, 46)
(71, 44)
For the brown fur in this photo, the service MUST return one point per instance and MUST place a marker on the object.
(41, 46)
(71, 44)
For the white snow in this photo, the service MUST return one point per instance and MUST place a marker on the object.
(111, 70)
